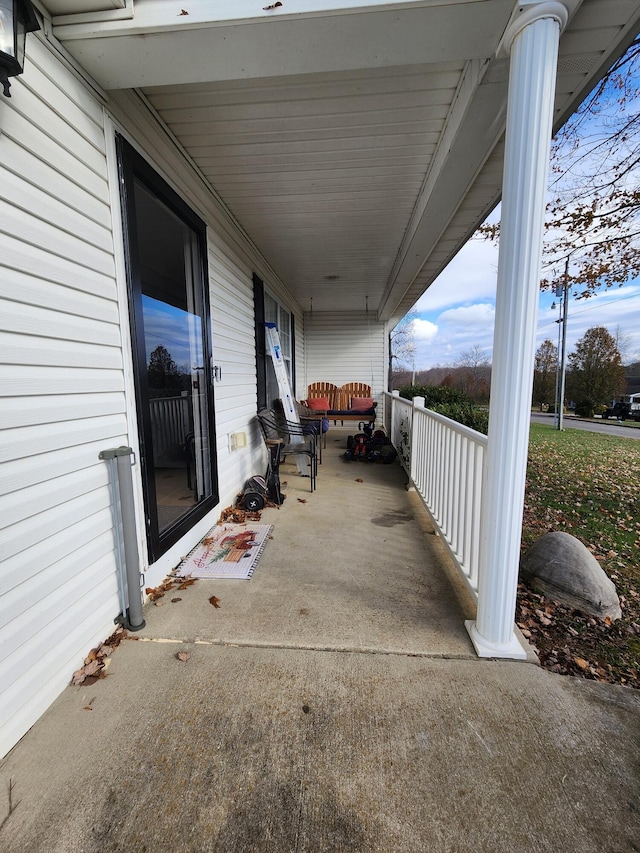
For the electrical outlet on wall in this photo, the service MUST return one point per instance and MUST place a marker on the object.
(237, 440)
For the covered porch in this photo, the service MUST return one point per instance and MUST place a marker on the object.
(357, 147)
(174, 177)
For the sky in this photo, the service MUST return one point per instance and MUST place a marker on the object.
(176, 330)
(456, 313)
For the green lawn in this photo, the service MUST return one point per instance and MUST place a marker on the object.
(588, 485)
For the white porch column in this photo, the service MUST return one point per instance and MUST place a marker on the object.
(532, 39)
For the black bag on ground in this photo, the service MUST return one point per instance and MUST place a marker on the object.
(387, 453)
(256, 494)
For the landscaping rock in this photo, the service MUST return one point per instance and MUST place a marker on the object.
(560, 566)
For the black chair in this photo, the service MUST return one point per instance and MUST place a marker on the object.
(292, 440)
(310, 421)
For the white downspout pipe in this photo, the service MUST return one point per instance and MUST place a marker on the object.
(532, 39)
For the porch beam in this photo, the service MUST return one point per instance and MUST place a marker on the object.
(218, 41)
(533, 39)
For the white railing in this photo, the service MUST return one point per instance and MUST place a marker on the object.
(444, 461)
(170, 424)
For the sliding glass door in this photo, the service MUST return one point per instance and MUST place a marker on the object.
(169, 309)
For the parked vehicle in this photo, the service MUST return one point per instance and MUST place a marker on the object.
(624, 408)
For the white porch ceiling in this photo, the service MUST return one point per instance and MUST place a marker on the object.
(358, 144)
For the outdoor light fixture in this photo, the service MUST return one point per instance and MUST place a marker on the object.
(17, 18)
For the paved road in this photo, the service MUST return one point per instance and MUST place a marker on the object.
(606, 427)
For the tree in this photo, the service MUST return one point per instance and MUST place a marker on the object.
(623, 342)
(596, 374)
(544, 377)
(163, 373)
(594, 217)
(402, 346)
(474, 372)
(592, 228)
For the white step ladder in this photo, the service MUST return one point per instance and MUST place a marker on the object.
(284, 388)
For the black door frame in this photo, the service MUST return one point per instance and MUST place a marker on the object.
(132, 165)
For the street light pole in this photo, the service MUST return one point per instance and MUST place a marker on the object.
(562, 290)
(557, 396)
(565, 306)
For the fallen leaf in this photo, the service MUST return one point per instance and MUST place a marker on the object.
(543, 619)
(182, 12)
(158, 603)
(87, 708)
(92, 668)
(272, 6)
(78, 676)
(215, 601)
(183, 656)
(174, 600)
(302, 500)
(582, 663)
(359, 480)
(187, 582)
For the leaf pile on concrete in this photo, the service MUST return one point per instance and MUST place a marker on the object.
(98, 659)
(586, 484)
(237, 515)
(168, 585)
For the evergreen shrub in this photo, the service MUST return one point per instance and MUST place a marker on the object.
(453, 403)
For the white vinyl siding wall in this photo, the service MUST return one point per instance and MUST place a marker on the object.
(346, 347)
(66, 373)
(233, 335)
(61, 385)
(66, 380)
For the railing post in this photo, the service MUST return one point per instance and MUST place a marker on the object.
(413, 473)
(393, 414)
(126, 522)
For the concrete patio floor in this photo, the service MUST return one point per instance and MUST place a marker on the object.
(356, 567)
(332, 703)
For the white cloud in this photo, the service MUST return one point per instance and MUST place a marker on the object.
(458, 310)
(470, 277)
(424, 330)
(480, 314)
(617, 310)
(458, 331)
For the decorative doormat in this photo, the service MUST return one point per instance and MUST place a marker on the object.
(227, 551)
